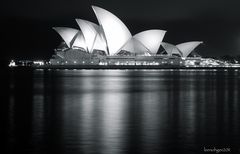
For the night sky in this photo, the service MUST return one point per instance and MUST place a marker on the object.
(27, 24)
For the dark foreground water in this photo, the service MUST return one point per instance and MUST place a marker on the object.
(121, 111)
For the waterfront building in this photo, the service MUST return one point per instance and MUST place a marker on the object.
(111, 43)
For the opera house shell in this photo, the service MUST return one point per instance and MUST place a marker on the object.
(111, 42)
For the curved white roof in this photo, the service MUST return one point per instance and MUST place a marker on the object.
(151, 39)
(188, 47)
(100, 43)
(67, 34)
(115, 32)
(79, 41)
(171, 49)
(136, 47)
(90, 32)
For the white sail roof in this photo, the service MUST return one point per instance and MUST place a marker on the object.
(115, 32)
(67, 34)
(136, 47)
(151, 39)
(90, 32)
(188, 47)
(171, 49)
(79, 41)
(100, 43)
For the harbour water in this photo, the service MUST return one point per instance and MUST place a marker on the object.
(121, 111)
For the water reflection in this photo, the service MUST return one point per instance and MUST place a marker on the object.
(123, 111)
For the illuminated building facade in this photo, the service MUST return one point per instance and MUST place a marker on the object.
(111, 43)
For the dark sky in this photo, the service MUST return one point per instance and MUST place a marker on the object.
(27, 24)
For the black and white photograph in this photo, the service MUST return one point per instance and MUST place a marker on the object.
(120, 77)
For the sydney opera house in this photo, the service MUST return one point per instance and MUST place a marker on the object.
(111, 43)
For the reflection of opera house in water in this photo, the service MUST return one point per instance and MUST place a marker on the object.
(111, 43)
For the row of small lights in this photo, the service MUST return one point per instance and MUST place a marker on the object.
(208, 62)
(137, 63)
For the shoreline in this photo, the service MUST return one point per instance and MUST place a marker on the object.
(95, 67)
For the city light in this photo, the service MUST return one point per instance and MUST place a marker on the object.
(12, 64)
(38, 63)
